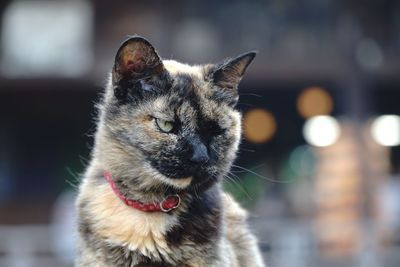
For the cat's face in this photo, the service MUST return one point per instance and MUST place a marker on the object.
(178, 122)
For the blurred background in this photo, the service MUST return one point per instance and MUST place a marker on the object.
(319, 162)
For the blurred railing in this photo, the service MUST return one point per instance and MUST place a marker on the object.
(28, 246)
(284, 244)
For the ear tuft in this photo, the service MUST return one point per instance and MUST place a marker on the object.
(228, 74)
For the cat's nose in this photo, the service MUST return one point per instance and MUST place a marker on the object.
(200, 152)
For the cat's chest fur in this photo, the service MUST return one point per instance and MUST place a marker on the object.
(129, 237)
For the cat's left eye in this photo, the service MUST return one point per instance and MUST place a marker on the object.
(165, 126)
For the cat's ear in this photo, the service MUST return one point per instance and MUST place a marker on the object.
(135, 60)
(229, 73)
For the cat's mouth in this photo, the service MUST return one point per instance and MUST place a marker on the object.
(182, 182)
(197, 183)
(181, 175)
(178, 171)
(198, 180)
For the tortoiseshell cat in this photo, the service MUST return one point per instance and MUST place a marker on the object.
(167, 134)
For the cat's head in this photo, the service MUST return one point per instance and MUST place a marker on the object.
(177, 124)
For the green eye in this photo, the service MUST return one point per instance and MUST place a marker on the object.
(165, 126)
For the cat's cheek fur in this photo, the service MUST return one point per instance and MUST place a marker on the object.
(235, 132)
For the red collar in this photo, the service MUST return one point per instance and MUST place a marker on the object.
(169, 203)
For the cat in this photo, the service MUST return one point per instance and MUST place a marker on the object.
(167, 133)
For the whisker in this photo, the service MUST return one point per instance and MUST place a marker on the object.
(246, 104)
(238, 185)
(243, 171)
(247, 150)
(84, 161)
(261, 176)
(74, 181)
(250, 94)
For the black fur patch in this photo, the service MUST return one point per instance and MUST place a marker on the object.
(129, 90)
(200, 224)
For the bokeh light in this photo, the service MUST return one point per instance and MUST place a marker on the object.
(321, 131)
(386, 130)
(314, 101)
(259, 125)
(50, 50)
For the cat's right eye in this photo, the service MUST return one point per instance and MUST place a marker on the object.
(165, 126)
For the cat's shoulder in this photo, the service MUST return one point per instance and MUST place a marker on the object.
(232, 209)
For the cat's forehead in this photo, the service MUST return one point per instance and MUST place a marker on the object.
(192, 95)
(190, 81)
(189, 85)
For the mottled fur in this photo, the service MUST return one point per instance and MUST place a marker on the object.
(208, 228)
